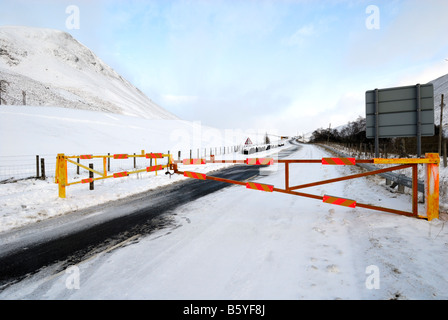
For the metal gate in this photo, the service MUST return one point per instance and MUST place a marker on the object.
(430, 161)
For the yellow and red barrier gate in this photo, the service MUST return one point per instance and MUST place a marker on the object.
(61, 177)
(430, 161)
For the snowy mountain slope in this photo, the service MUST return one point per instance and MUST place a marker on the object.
(440, 87)
(54, 69)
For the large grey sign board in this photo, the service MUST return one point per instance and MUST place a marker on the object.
(398, 112)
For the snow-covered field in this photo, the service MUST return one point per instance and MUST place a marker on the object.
(47, 131)
(233, 244)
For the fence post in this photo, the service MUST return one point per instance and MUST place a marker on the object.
(432, 187)
(441, 125)
(77, 167)
(37, 167)
(444, 154)
(91, 176)
(108, 162)
(135, 161)
(42, 165)
(62, 174)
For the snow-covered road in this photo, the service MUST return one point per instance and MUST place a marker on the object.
(245, 244)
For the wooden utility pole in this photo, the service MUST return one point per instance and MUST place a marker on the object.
(441, 126)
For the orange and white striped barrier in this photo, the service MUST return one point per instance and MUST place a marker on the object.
(339, 161)
(259, 186)
(154, 155)
(339, 201)
(121, 174)
(120, 156)
(195, 175)
(154, 168)
(260, 161)
(193, 161)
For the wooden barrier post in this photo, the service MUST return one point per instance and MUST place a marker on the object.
(62, 174)
(37, 167)
(432, 187)
(42, 168)
(444, 154)
(104, 166)
(91, 187)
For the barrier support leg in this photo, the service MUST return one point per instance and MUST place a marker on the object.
(432, 187)
(62, 174)
(104, 166)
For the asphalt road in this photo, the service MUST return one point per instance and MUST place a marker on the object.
(72, 238)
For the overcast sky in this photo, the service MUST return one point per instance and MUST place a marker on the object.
(293, 66)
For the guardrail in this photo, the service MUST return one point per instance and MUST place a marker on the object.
(399, 179)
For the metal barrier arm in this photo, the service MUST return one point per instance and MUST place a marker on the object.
(202, 176)
(431, 161)
(85, 167)
(359, 175)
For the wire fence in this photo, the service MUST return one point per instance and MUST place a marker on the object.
(22, 167)
(15, 168)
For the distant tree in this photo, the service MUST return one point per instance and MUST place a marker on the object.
(3, 90)
(266, 139)
(353, 132)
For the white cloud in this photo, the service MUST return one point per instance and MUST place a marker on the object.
(423, 74)
(298, 38)
(414, 33)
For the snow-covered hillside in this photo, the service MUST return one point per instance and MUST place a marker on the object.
(440, 87)
(54, 69)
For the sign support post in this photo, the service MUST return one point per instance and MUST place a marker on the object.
(419, 121)
(377, 125)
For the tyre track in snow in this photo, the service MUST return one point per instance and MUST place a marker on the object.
(77, 236)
